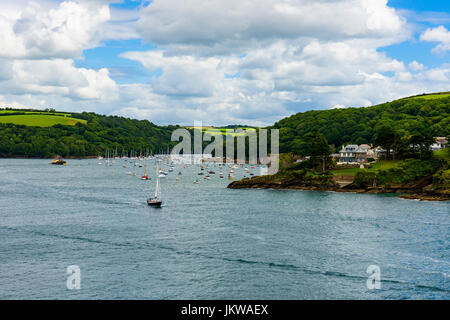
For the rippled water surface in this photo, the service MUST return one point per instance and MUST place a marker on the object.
(209, 242)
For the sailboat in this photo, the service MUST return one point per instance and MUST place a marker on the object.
(156, 201)
(145, 177)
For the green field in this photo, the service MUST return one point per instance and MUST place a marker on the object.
(39, 120)
(443, 154)
(3, 111)
(384, 164)
(433, 96)
(222, 131)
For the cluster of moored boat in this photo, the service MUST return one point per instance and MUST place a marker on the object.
(207, 170)
(232, 169)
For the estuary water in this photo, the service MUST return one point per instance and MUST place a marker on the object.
(209, 242)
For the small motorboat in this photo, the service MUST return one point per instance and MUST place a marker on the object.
(59, 162)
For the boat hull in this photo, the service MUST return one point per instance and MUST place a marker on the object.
(153, 203)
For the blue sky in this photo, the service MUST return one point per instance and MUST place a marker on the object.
(421, 11)
(220, 61)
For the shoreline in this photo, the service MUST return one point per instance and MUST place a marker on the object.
(400, 193)
(51, 158)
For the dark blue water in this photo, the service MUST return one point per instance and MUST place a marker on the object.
(209, 242)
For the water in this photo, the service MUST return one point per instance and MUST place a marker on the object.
(209, 242)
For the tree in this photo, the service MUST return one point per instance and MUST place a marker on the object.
(315, 145)
(387, 138)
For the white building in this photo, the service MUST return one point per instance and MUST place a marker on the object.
(352, 153)
(440, 143)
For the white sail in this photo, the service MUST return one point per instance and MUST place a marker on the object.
(157, 190)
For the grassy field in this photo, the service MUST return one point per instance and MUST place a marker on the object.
(443, 154)
(40, 120)
(222, 131)
(384, 164)
(3, 111)
(433, 96)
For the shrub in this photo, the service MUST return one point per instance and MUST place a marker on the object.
(364, 179)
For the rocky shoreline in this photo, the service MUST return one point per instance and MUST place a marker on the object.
(413, 193)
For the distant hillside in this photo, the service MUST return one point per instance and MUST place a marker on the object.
(428, 114)
(35, 133)
(37, 118)
(430, 96)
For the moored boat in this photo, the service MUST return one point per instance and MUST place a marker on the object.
(59, 162)
(145, 177)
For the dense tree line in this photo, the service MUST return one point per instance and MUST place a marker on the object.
(406, 117)
(99, 134)
(395, 125)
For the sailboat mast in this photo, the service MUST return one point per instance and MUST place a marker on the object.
(157, 183)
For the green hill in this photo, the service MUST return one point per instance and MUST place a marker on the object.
(426, 114)
(47, 133)
(39, 120)
(35, 133)
(431, 96)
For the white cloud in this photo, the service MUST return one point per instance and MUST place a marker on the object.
(220, 61)
(39, 41)
(223, 26)
(439, 34)
(59, 77)
(416, 66)
(60, 32)
(181, 75)
(298, 53)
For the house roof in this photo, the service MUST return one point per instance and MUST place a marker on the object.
(352, 148)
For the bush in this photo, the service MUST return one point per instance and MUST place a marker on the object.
(364, 179)
(410, 170)
(441, 179)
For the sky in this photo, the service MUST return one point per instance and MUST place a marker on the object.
(249, 62)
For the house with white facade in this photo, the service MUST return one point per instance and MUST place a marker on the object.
(353, 154)
(439, 143)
